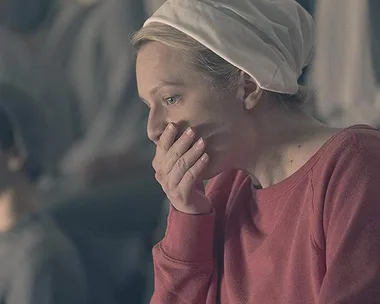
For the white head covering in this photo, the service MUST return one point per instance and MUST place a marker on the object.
(271, 40)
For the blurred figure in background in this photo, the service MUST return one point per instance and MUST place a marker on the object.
(38, 264)
(76, 60)
(346, 62)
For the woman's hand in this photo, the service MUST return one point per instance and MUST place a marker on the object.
(179, 165)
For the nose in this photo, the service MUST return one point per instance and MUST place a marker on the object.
(156, 124)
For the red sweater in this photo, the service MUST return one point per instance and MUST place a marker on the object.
(312, 238)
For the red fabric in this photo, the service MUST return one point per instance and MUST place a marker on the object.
(312, 238)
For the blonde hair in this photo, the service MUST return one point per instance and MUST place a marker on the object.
(219, 72)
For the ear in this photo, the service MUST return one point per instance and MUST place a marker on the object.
(249, 91)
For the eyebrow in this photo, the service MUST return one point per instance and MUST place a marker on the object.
(161, 85)
(165, 84)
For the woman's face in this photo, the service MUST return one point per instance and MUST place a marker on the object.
(175, 93)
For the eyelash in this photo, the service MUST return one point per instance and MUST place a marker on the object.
(176, 99)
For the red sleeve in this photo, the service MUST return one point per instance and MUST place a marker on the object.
(184, 267)
(351, 225)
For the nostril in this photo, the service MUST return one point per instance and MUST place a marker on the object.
(154, 137)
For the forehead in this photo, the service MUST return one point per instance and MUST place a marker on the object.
(157, 63)
(155, 56)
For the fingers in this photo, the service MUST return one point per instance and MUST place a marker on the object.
(168, 137)
(186, 161)
(166, 141)
(179, 148)
(179, 165)
(193, 175)
(166, 159)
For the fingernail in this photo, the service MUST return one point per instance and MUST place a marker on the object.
(171, 127)
(189, 132)
(200, 142)
(204, 157)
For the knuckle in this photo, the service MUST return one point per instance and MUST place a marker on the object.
(175, 155)
(155, 163)
(190, 176)
(181, 163)
(159, 176)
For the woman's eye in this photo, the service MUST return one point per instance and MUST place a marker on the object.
(171, 100)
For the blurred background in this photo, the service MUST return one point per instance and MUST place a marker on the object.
(69, 66)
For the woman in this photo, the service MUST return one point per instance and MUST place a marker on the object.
(38, 264)
(291, 213)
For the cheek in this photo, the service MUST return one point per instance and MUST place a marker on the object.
(222, 133)
(203, 122)
(213, 119)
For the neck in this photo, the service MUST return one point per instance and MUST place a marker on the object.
(287, 139)
(15, 202)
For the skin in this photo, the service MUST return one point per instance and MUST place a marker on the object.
(242, 129)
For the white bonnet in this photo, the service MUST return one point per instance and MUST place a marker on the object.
(271, 40)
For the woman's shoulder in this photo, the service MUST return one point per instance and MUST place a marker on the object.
(358, 135)
(353, 150)
(359, 141)
(364, 136)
